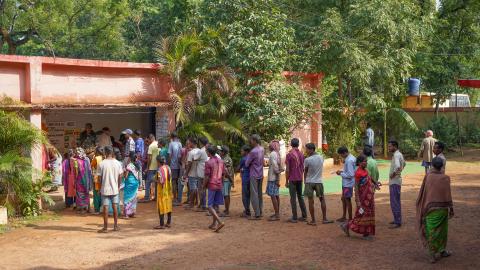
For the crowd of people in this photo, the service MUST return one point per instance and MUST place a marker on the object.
(116, 171)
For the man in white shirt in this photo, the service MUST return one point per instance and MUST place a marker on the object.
(201, 159)
(395, 183)
(110, 175)
(370, 138)
(313, 182)
(191, 172)
(130, 143)
(104, 138)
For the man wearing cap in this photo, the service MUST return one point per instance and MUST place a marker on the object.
(130, 143)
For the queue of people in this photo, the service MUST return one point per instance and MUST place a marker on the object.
(115, 175)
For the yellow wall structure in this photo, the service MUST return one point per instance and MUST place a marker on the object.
(420, 102)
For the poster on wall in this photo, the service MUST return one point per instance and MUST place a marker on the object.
(61, 134)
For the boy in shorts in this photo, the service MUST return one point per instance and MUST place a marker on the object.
(348, 181)
(213, 184)
(314, 183)
(110, 176)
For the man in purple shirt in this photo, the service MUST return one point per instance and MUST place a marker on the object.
(294, 180)
(254, 163)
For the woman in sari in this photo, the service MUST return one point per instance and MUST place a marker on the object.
(97, 198)
(55, 167)
(133, 174)
(364, 220)
(69, 174)
(84, 181)
(434, 208)
(164, 193)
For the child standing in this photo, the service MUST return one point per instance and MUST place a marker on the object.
(97, 198)
(228, 182)
(213, 184)
(164, 193)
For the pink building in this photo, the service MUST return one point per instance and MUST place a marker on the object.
(62, 95)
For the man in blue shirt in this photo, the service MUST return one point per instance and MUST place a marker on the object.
(139, 144)
(174, 156)
(139, 149)
(348, 181)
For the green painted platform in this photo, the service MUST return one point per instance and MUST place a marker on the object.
(333, 184)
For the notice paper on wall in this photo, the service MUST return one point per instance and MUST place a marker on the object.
(62, 134)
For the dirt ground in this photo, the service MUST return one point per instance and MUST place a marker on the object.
(72, 242)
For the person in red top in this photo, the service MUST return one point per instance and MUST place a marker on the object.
(364, 219)
(294, 177)
(213, 184)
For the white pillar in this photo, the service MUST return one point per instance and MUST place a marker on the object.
(36, 153)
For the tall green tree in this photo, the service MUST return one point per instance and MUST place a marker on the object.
(151, 20)
(257, 43)
(254, 35)
(66, 28)
(451, 51)
(366, 49)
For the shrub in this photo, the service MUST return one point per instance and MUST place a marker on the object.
(18, 191)
(471, 131)
(445, 130)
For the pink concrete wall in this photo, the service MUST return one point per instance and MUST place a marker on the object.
(60, 81)
(12, 80)
(82, 85)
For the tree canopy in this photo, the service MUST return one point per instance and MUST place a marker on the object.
(366, 48)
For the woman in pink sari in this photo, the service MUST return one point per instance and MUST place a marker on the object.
(364, 219)
(84, 181)
(69, 174)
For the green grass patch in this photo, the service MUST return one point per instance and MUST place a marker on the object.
(333, 184)
(14, 223)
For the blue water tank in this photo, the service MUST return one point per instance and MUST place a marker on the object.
(413, 87)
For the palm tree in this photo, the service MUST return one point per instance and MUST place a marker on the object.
(189, 60)
(215, 120)
(399, 115)
(17, 189)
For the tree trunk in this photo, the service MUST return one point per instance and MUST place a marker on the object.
(437, 107)
(340, 86)
(12, 48)
(385, 152)
(349, 91)
(6, 38)
(458, 122)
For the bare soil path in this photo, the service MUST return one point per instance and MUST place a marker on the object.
(72, 242)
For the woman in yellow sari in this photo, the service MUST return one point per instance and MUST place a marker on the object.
(164, 193)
